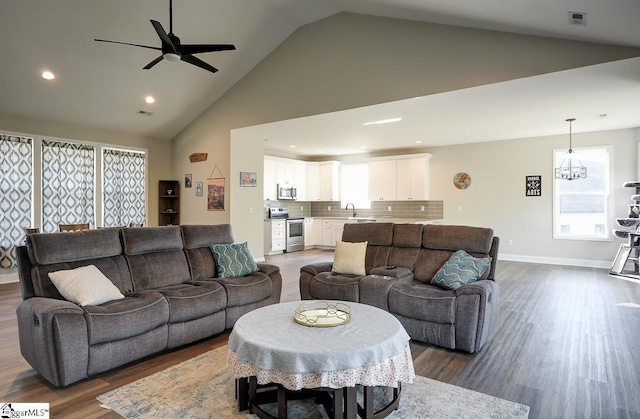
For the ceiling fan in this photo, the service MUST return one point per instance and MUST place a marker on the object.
(173, 50)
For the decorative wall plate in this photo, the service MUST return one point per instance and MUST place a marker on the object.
(462, 180)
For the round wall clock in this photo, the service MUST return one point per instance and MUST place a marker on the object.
(462, 180)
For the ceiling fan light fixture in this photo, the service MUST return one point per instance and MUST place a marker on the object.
(568, 169)
(171, 56)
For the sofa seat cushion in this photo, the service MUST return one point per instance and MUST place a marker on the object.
(246, 289)
(193, 300)
(335, 286)
(417, 300)
(133, 315)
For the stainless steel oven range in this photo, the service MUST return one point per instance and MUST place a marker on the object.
(294, 231)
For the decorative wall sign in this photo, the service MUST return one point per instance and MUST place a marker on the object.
(199, 188)
(187, 180)
(533, 185)
(462, 180)
(215, 194)
(248, 179)
(195, 157)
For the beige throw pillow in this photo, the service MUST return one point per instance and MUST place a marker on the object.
(85, 286)
(349, 258)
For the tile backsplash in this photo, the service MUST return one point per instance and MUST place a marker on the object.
(433, 210)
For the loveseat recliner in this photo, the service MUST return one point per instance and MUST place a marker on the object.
(462, 319)
(172, 296)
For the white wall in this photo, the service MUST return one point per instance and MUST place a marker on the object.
(346, 61)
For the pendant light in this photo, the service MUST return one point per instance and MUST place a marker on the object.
(568, 169)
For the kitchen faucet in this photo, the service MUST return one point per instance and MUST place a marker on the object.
(353, 206)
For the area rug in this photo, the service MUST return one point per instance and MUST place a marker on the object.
(202, 388)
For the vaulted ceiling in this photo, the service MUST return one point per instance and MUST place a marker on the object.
(103, 85)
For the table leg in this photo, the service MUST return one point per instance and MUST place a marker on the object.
(350, 403)
(368, 402)
(282, 402)
(242, 393)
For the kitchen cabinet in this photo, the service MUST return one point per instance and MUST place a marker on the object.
(332, 231)
(269, 179)
(412, 179)
(313, 181)
(323, 181)
(275, 236)
(309, 233)
(382, 180)
(399, 178)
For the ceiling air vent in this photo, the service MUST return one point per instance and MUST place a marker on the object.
(577, 18)
(146, 113)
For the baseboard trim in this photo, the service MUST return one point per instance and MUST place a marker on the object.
(7, 278)
(586, 263)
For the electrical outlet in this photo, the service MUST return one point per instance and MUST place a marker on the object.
(301, 208)
(510, 242)
(250, 210)
(389, 208)
(422, 208)
(459, 208)
(329, 208)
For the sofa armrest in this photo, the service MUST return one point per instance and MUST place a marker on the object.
(400, 273)
(267, 268)
(316, 268)
(53, 339)
(307, 273)
(477, 306)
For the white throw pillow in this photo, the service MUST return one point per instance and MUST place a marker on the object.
(85, 286)
(349, 258)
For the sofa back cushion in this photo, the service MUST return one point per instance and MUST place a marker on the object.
(155, 256)
(407, 240)
(379, 237)
(197, 239)
(439, 242)
(51, 252)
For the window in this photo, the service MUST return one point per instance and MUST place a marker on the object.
(68, 173)
(354, 185)
(123, 187)
(581, 207)
(16, 194)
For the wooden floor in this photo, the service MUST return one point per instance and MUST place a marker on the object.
(567, 345)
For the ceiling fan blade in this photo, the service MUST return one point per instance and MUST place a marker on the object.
(198, 62)
(127, 43)
(198, 48)
(163, 36)
(152, 63)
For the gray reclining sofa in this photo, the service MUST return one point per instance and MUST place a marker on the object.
(172, 296)
(462, 319)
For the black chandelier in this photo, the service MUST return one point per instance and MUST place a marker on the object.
(568, 169)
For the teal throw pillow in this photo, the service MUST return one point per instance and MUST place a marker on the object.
(233, 260)
(459, 270)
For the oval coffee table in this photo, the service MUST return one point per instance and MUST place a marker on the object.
(268, 348)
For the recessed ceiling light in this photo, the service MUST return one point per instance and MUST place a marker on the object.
(149, 99)
(292, 146)
(418, 142)
(363, 146)
(48, 75)
(383, 121)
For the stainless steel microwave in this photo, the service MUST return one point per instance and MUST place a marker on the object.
(286, 191)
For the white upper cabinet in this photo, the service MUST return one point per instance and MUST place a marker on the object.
(382, 180)
(313, 181)
(329, 181)
(399, 178)
(269, 179)
(412, 179)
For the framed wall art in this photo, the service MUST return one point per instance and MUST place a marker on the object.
(199, 189)
(215, 194)
(248, 179)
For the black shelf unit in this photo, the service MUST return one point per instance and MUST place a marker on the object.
(169, 202)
